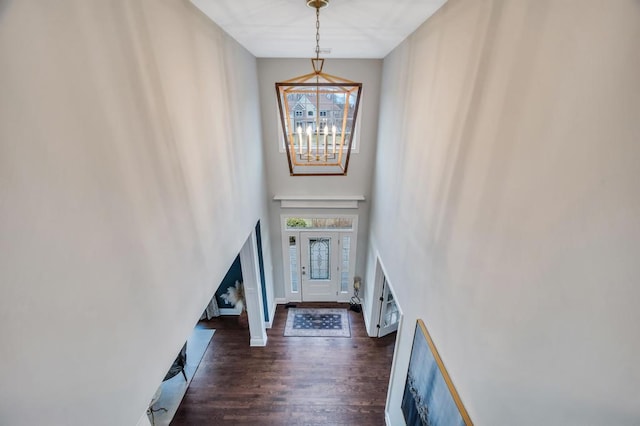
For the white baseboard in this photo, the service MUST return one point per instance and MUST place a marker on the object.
(229, 311)
(387, 420)
(257, 341)
(281, 301)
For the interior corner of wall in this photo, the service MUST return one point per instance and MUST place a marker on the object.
(367, 314)
(272, 314)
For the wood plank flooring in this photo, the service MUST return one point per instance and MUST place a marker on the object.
(292, 381)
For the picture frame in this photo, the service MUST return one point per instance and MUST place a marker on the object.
(429, 397)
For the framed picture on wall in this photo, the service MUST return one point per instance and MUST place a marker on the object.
(429, 398)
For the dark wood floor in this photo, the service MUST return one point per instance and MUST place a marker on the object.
(291, 381)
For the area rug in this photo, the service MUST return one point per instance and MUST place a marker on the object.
(316, 322)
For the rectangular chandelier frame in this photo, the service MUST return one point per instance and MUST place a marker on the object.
(318, 120)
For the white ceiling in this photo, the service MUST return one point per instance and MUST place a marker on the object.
(350, 28)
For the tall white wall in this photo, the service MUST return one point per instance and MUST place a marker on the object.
(359, 177)
(131, 174)
(506, 206)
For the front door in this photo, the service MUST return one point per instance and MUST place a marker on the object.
(320, 269)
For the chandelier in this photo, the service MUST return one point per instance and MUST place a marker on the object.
(318, 114)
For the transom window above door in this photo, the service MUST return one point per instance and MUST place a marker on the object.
(309, 223)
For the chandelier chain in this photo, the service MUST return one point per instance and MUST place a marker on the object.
(317, 33)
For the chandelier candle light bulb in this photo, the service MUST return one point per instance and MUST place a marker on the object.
(309, 141)
(326, 133)
(333, 144)
(300, 140)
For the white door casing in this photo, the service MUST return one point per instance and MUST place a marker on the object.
(341, 262)
(389, 313)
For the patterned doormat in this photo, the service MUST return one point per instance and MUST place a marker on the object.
(315, 322)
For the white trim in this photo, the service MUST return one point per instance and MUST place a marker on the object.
(378, 279)
(394, 361)
(272, 315)
(253, 291)
(281, 301)
(353, 245)
(389, 288)
(286, 261)
(257, 341)
(363, 301)
(387, 419)
(229, 311)
(319, 201)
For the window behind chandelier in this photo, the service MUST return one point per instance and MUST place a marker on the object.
(301, 120)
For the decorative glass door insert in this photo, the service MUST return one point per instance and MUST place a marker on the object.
(319, 263)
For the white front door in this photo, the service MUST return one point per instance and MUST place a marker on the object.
(319, 265)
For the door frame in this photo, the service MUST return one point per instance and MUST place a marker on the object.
(296, 296)
(387, 289)
(379, 278)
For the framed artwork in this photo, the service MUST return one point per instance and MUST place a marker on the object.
(429, 398)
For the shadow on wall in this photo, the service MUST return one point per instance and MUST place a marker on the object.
(4, 4)
(233, 274)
